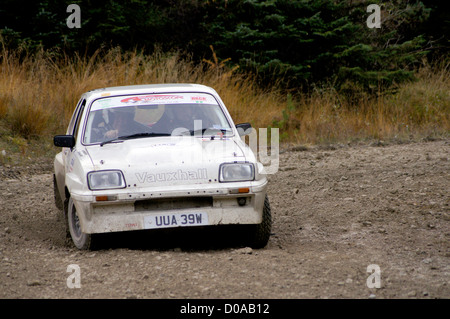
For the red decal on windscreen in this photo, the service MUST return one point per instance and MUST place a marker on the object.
(198, 98)
(149, 98)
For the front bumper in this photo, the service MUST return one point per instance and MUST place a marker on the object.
(126, 211)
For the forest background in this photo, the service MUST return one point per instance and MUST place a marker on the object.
(313, 69)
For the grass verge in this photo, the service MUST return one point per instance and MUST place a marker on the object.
(39, 91)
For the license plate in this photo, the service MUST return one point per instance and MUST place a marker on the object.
(175, 220)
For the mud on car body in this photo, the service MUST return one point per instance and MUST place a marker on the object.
(157, 156)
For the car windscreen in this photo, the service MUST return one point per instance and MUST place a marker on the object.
(195, 114)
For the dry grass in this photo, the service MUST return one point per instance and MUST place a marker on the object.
(38, 93)
(417, 109)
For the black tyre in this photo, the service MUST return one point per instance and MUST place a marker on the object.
(260, 233)
(68, 238)
(81, 240)
(58, 201)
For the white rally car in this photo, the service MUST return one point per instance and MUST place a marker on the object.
(157, 156)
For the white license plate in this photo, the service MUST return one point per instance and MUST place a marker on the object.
(175, 220)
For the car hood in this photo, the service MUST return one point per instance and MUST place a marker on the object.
(162, 161)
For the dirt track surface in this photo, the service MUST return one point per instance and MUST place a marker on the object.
(335, 210)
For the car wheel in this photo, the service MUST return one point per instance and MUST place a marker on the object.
(260, 233)
(81, 240)
(56, 196)
(65, 221)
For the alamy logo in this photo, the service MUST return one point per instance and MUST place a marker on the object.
(374, 280)
(374, 20)
(74, 20)
(74, 280)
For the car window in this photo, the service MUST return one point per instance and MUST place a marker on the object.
(164, 114)
(78, 119)
(74, 117)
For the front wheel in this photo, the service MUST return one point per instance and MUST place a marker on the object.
(260, 233)
(81, 240)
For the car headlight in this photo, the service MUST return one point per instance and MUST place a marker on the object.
(236, 172)
(105, 180)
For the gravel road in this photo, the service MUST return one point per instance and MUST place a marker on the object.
(346, 219)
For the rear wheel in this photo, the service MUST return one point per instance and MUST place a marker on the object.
(81, 240)
(260, 233)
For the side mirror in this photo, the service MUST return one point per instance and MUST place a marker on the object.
(244, 128)
(64, 141)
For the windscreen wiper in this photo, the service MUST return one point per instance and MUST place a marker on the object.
(132, 136)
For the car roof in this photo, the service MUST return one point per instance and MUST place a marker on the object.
(148, 89)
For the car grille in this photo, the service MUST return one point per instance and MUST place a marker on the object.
(173, 203)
